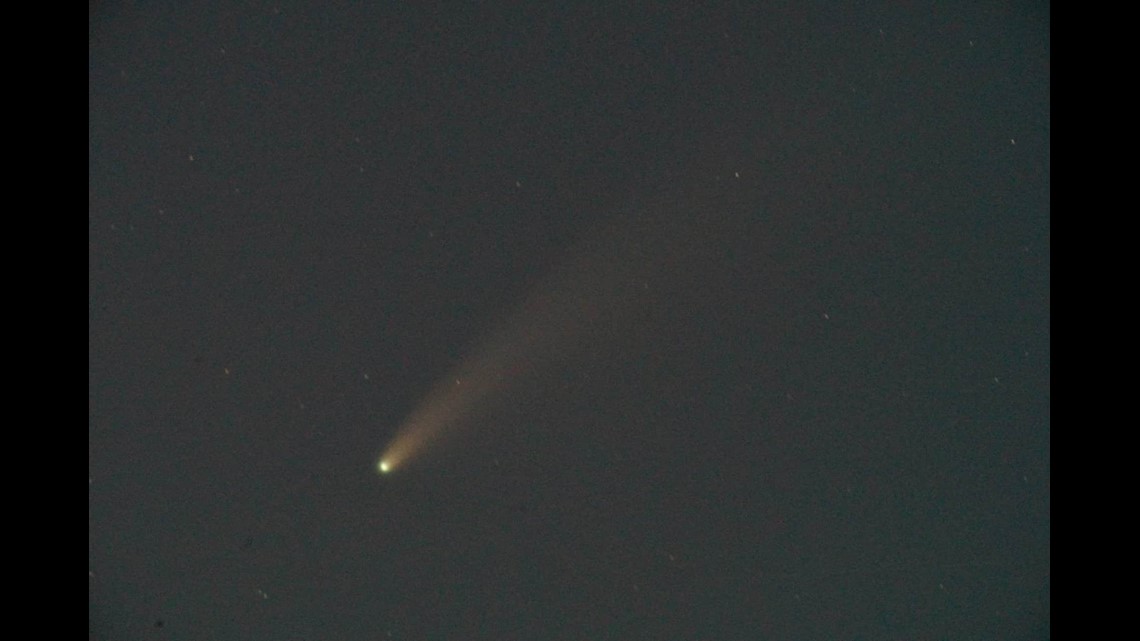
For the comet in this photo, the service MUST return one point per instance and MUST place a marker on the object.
(617, 268)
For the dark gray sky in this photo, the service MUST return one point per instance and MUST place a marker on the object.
(766, 290)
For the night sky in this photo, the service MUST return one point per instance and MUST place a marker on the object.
(732, 323)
